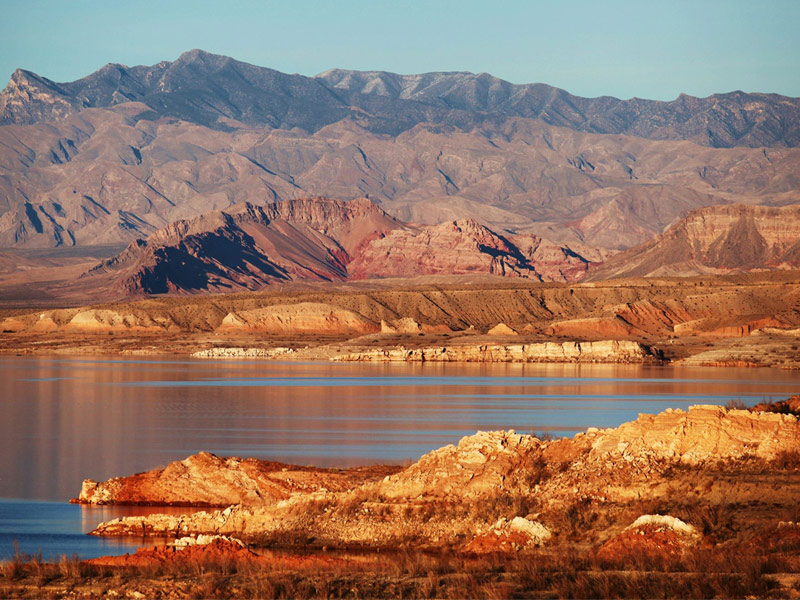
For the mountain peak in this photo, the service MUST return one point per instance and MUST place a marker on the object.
(197, 53)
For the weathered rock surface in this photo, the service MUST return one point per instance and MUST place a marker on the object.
(302, 317)
(703, 434)
(650, 538)
(242, 352)
(790, 406)
(456, 248)
(480, 464)
(506, 535)
(208, 480)
(501, 329)
(608, 351)
(248, 247)
(460, 495)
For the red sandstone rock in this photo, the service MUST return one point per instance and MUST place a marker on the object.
(208, 480)
(651, 538)
(790, 406)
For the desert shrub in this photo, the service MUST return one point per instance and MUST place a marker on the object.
(787, 459)
(736, 404)
(71, 568)
(14, 568)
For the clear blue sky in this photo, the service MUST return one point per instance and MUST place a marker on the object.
(623, 48)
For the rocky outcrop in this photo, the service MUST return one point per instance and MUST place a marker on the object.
(99, 320)
(460, 495)
(506, 535)
(248, 247)
(703, 434)
(479, 465)
(790, 406)
(242, 352)
(501, 329)
(462, 247)
(652, 538)
(610, 351)
(208, 480)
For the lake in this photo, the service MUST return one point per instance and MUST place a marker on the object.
(68, 419)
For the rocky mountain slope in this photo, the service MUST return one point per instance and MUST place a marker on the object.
(316, 239)
(715, 239)
(126, 151)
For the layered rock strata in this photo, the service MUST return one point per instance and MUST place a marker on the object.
(605, 351)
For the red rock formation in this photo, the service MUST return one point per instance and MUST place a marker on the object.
(650, 539)
(600, 468)
(208, 480)
(250, 247)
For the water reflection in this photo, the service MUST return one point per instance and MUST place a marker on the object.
(59, 529)
(66, 420)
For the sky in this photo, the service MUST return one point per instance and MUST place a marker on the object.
(623, 48)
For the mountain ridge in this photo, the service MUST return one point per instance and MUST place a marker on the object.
(386, 101)
(250, 247)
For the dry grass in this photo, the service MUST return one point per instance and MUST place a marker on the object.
(566, 572)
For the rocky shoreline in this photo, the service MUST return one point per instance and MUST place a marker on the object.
(454, 495)
(697, 503)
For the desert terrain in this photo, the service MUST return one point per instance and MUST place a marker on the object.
(747, 319)
(211, 209)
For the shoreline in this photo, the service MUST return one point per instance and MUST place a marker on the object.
(674, 499)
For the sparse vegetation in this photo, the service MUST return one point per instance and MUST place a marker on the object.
(561, 572)
(736, 404)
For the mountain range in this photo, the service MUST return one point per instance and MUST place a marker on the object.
(129, 152)
(209, 89)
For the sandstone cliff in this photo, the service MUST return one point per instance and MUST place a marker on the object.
(606, 351)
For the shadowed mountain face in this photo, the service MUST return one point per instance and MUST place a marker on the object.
(716, 239)
(126, 151)
(317, 239)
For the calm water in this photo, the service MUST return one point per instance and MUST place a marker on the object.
(65, 420)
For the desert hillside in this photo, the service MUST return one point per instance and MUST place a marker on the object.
(250, 247)
(716, 239)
